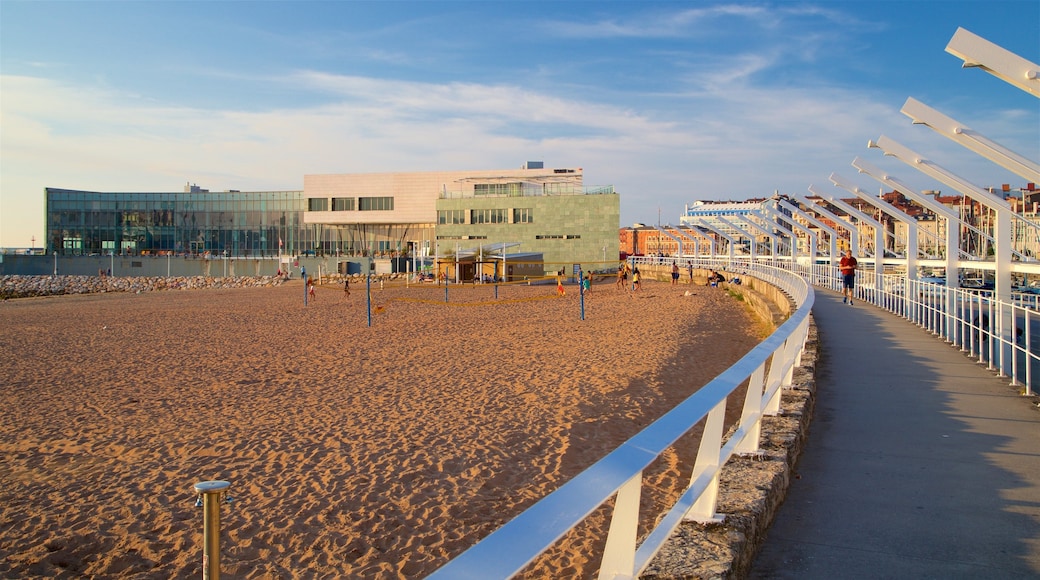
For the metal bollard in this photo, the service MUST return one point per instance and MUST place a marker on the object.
(210, 495)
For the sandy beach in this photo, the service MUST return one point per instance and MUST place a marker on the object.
(352, 450)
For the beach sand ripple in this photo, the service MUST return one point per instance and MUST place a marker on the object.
(353, 451)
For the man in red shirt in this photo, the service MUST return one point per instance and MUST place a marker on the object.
(848, 274)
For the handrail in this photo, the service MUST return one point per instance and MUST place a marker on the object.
(516, 544)
(971, 319)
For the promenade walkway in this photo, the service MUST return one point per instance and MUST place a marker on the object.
(920, 463)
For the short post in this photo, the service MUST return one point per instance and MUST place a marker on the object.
(581, 292)
(209, 497)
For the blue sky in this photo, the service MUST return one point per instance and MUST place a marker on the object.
(670, 102)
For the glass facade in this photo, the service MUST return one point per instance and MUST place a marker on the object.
(239, 223)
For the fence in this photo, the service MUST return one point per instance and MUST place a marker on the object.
(767, 368)
(997, 333)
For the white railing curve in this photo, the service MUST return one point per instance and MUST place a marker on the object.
(768, 367)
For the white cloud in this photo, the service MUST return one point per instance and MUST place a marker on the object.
(750, 142)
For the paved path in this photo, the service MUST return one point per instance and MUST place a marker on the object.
(920, 463)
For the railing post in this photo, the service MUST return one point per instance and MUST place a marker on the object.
(210, 496)
(753, 408)
(619, 554)
(707, 462)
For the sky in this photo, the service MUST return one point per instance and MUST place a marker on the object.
(669, 102)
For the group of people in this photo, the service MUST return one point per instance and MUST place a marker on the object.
(622, 277)
(715, 278)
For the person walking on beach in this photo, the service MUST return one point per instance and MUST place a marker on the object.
(848, 267)
(310, 288)
(346, 287)
(586, 284)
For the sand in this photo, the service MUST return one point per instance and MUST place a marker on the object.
(352, 450)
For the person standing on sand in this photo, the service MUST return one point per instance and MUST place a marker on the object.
(689, 271)
(675, 273)
(622, 275)
(636, 279)
(346, 287)
(848, 266)
(559, 284)
(586, 284)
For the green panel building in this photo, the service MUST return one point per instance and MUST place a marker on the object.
(577, 226)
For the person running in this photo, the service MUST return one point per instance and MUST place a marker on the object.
(848, 267)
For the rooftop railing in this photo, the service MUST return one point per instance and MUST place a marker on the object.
(565, 189)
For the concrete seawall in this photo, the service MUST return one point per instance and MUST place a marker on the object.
(751, 488)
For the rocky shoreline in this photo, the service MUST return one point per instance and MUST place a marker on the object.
(35, 286)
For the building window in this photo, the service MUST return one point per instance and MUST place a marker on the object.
(498, 189)
(343, 204)
(489, 216)
(522, 215)
(375, 204)
(317, 204)
(451, 217)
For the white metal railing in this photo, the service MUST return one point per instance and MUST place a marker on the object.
(768, 368)
(998, 334)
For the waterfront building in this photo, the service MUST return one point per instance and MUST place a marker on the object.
(533, 209)
(193, 222)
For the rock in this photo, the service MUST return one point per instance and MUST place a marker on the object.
(30, 286)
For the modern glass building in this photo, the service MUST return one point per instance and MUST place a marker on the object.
(532, 209)
(194, 222)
